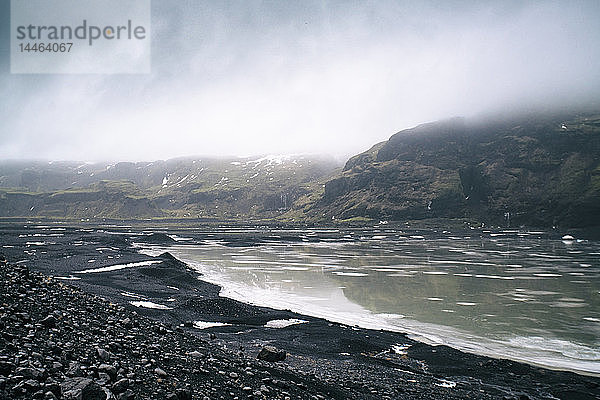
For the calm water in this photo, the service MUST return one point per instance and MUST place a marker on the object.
(518, 295)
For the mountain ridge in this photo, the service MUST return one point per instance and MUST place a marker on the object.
(535, 170)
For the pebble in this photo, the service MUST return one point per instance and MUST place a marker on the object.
(103, 354)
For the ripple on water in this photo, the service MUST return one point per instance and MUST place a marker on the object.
(568, 304)
(357, 274)
(510, 278)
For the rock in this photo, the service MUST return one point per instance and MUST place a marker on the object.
(160, 372)
(49, 396)
(30, 373)
(128, 395)
(271, 354)
(54, 388)
(31, 385)
(49, 321)
(195, 354)
(74, 369)
(6, 368)
(120, 386)
(103, 354)
(184, 394)
(82, 389)
(56, 366)
(109, 394)
(108, 369)
(103, 378)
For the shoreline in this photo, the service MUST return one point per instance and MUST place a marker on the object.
(427, 333)
(341, 361)
(424, 339)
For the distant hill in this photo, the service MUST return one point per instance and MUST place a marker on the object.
(214, 188)
(535, 170)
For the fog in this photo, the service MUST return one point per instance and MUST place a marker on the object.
(249, 78)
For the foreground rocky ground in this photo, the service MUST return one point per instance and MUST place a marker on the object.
(58, 342)
(90, 342)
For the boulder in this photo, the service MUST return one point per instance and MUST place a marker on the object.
(79, 388)
(272, 354)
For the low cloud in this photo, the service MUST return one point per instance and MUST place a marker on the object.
(256, 78)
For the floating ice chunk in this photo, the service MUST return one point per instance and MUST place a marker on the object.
(149, 304)
(117, 267)
(400, 348)
(132, 295)
(446, 384)
(205, 324)
(282, 323)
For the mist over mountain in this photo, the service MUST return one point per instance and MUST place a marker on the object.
(317, 77)
(536, 170)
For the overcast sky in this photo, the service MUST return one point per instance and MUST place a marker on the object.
(248, 77)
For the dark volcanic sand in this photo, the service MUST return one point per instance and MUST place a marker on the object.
(324, 360)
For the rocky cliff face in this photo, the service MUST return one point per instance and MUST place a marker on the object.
(534, 170)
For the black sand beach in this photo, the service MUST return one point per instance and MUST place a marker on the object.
(83, 338)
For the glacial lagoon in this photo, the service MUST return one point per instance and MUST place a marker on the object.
(524, 295)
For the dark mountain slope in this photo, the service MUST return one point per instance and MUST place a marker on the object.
(533, 170)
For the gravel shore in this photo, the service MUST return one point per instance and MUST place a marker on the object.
(59, 342)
